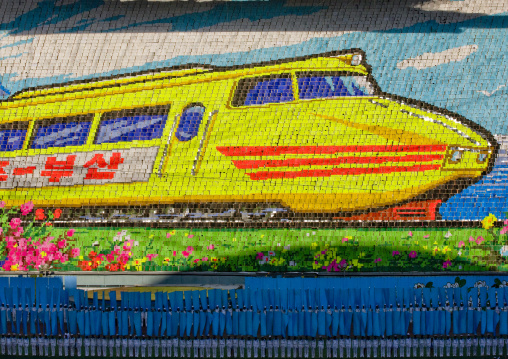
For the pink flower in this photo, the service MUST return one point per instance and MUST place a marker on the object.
(479, 240)
(174, 253)
(168, 235)
(190, 236)
(70, 232)
(74, 252)
(446, 264)
(2, 204)
(412, 254)
(190, 249)
(377, 260)
(344, 239)
(471, 239)
(210, 247)
(204, 259)
(127, 245)
(426, 236)
(395, 253)
(259, 256)
(461, 244)
(196, 260)
(26, 208)
(504, 230)
(186, 254)
(18, 232)
(62, 244)
(15, 222)
(110, 257)
(410, 234)
(151, 256)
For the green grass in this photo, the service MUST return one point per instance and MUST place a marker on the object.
(297, 249)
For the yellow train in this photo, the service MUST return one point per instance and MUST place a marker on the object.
(314, 134)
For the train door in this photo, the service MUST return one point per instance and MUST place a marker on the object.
(187, 142)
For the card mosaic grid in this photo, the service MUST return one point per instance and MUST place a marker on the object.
(265, 119)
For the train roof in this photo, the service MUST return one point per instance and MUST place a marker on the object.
(332, 59)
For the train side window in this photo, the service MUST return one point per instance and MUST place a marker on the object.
(326, 85)
(132, 125)
(263, 90)
(189, 122)
(12, 136)
(61, 132)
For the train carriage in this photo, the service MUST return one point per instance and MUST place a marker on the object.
(314, 134)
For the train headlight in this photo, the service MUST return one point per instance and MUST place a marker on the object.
(455, 156)
(482, 157)
(356, 60)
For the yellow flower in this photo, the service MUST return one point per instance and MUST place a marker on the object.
(488, 222)
(186, 234)
(262, 236)
(445, 249)
(314, 245)
(234, 239)
(14, 267)
(127, 266)
(80, 257)
(150, 236)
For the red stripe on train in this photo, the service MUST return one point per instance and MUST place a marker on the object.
(297, 162)
(317, 150)
(263, 175)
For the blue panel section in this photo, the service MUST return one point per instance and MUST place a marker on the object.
(133, 128)
(270, 91)
(12, 139)
(72, 133)
(330, 86)
(189, 123)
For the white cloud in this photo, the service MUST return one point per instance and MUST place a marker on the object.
(431, 59)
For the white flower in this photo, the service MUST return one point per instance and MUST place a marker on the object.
(287, 247)
(503, 284)
(313, 233)
(117, 238)
(278, 244)
(127, 238)
(504, 251)
(480, 283)
(123, 233)
(292, 263)
(419, 285)
(308, 234)
(448, 235)
(136, 243)
(451, 285)
(459, 253)
(96, 243)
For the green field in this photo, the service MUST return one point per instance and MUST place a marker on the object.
(286, 250)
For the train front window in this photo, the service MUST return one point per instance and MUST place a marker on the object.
(132, 125)
(12, 136)
(327, 85)
(61, 132)
(264, 90)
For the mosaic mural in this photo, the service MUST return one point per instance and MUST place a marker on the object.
(258, 136)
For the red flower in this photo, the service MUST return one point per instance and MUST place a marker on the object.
(92, 255)
(57, 213)
(39, 214)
